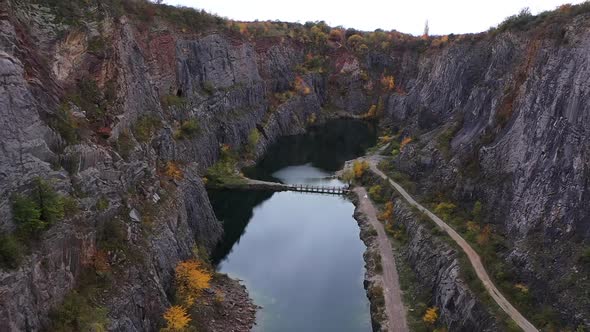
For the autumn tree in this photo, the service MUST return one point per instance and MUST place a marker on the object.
(444, 210)
(301, 87)
(430, 316)
(388, 82)
(191, 279)
(176, 318)
(173, 171)
(372, 112)
(407, 140)
(359, 168)
(387, 213)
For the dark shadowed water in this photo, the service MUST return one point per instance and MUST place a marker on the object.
(299, 255)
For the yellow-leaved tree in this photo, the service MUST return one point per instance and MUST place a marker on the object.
(176, 318)
(191, 279)
(431, 315)
(387, 214)
(359, 168)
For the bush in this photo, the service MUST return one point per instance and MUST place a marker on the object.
(375, 193)
(253, 140)
(27, 215)
(33, 214)
(125, 144)
(145, 127)
(188, 129)
(76, 313)
(64, 123)
(584, 258)
(172, 100)
(11, 251)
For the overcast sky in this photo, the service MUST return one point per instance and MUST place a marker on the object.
(450, 16)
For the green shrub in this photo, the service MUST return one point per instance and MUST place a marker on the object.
(188, 129)
(375, 193)
(33, 214)
(172, 101)
(27, 215)
(77, 313)
(209, 87)
(145, 127)
(11, 251)
(253, 140)
(125, 145)
(64, 123)
(102, 204)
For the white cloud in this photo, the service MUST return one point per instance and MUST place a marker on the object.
(450, 16)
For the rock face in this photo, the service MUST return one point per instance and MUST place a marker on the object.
(518, 100)
(518, 103)
(437, 268)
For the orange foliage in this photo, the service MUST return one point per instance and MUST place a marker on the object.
(336, 35)
(371, 113)
(176, 318)
(405, 142)
(301, 87)
(191, 279)
(173, 171)
(388, 82)
(359, 168)
(387, 213)
(430, 316)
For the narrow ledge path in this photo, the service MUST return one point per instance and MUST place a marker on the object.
(474, 258)
(394, 306)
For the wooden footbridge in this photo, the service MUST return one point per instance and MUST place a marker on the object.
(250, 184)
(305, 188)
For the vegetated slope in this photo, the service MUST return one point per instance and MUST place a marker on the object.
(123, 105)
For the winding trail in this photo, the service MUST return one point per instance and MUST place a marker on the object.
(394, 307)
(471, 254)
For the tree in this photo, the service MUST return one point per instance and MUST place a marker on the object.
(426, 29)
(407, 140)
(176, 318)
(191, 279)
(173, 171)
(253, 139)
(372, 112)
(476, 212)
(50, 203)
(387, 214)
(388, 82)
(27, 215)
(444, 210)
(359, 168)
(430, 316)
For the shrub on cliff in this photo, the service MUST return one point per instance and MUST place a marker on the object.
(11, 251)
(188, 129)
(77, 313)
(44, 207)
(145, 127)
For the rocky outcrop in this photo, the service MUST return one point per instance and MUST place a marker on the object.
(437, 268)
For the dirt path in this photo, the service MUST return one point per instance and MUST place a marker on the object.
(394, 306)
(471, 254)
